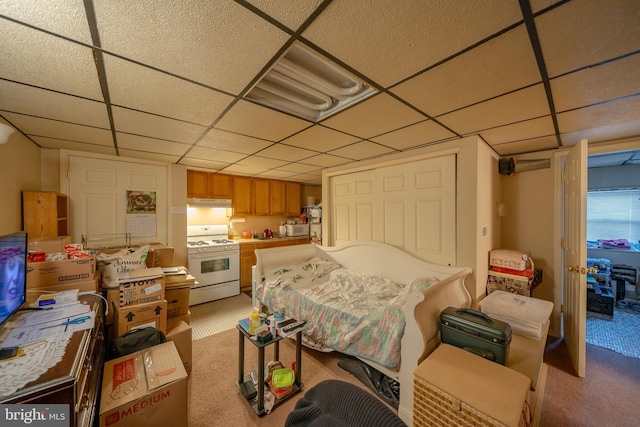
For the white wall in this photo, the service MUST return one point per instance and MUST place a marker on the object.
(19, 171)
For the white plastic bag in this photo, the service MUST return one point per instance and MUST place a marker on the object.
(123, 261)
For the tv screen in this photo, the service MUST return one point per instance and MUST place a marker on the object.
(13, 273)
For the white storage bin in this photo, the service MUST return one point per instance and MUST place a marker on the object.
(527, 316)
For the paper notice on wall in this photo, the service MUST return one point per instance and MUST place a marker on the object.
(142, 220)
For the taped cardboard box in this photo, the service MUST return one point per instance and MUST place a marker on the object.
(142, 285)
(178, 280)
(48, 244)
(130, 317)
(145, 389)
(186, 318)
(41, 274)
(177, 301)
(159, 255)
(181, 334)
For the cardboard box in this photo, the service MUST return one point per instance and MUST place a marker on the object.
(177, 301)
(159, 255)
(179, 280)
(41, 274)
(130, 317)
(142, 285)
(146, 388)
(85, 286)
(186, 318)
(180, 333)
(48, 244)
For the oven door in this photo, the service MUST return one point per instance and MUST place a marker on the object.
(215, 267)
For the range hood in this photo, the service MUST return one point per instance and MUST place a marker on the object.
(209, 203)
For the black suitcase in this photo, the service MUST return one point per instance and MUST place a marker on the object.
(476, 332)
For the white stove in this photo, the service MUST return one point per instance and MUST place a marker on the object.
(214, 261)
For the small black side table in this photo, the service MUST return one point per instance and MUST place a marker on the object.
(258, 405)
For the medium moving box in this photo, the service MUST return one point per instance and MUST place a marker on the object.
(84, 286)
(48, 244)
(159, 255)
(145, 389)
(177, 301)
(136, 316)
(180, 333)
(40, 274)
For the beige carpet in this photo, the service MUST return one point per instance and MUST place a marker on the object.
(219, 316)
(214, 399)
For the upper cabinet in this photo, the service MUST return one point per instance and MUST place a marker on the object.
(292, 205)
(242, 195)
(261, 196)
(278, 197)
(205, 185)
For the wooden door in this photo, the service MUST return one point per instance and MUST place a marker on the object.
(575, 255)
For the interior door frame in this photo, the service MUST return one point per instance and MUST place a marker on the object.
(558, 275)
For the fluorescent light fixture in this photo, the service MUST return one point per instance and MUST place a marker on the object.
(306, 84)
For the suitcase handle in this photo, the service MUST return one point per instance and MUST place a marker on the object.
(475, 313)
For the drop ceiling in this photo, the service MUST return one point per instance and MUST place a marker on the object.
(165, 80)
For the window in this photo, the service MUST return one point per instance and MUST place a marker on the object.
(613, 214)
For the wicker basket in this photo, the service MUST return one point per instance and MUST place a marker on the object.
(434, 407)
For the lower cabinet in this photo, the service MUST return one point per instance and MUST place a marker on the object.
(248, 256)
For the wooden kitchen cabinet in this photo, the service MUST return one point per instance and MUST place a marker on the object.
(292, 204)
(45, 213)
(278, 197)
(205, 185)
(242, 195)
(261, 196)
(248, 256)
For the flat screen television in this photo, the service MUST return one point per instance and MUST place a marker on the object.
(13, 273)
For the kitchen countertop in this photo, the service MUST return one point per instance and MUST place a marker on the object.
(275, 239)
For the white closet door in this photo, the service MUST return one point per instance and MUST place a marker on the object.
(417, 208)
(98, 194)
(410, 205)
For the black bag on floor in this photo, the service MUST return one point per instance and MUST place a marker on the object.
(135, 340)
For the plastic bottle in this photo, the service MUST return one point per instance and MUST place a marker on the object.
(254, 321)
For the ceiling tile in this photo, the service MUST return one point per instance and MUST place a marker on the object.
(610, 132)
(144, 124)
(412, 136)
(612, 113)
(151, 145)
(65, 17)
(260, 122)
(141, 88)
(276, 174)
(203, 164)
(261, 162)
(326, 160)
(521, 105)
(291, 13)
(540, 127)
(299, 168)
(529, 145)
(217, 43)
(237, 169)
(285, 152)
(320, 139)
(362, 150)
(212, 154)
(37, 126)
(222, 140)
(388, 42)
(501, 65)
(597, 84)
(582, 33)
(42, 60)
(374, 116)
(52, 105)
(45, 142)
(158, 157)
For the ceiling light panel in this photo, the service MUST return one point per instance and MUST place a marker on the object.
(308, 85)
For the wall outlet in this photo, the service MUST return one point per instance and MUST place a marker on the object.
(485, 231)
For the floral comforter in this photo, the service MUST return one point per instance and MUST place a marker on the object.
(354, 313)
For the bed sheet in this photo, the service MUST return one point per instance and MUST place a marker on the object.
(355, 313)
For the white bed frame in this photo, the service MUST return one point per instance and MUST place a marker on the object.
(422, 310)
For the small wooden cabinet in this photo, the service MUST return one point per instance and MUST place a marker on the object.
(205, 185)
(248, 256)
(278, 197)
(242, 195)
(45, 213)
(292, 205)
(261, 196)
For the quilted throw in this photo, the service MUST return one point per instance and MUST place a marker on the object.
(354, 313)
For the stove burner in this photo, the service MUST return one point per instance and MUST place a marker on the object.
(198, 243)
(222, 241)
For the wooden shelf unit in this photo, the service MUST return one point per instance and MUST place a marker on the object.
(45, 213)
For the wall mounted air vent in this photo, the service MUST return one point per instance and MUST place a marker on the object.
(306, 84)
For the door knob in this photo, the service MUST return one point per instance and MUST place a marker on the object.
(572, 268)
(592, 270)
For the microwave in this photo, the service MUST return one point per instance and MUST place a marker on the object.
(297, 229)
